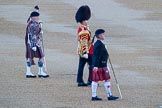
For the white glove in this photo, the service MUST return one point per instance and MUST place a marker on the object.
(34, 48)
(41, 32)
(85, 56)
(95, 69)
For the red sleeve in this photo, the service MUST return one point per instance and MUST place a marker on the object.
(79, 29)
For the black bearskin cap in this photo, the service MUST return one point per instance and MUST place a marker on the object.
(83, 13)
(34, 14)
(99, 31)
(36, 7)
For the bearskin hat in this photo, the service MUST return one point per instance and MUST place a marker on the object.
(83, 13)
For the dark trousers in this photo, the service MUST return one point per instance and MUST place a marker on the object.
(82, 62)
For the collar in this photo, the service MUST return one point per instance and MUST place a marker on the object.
(102, 41)
(83, 25)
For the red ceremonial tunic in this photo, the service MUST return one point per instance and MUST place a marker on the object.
(85, 41)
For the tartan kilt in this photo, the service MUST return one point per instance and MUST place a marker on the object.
(30, 53)
(100, 75)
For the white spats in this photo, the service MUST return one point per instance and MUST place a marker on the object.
(41, 72)
(28, 72)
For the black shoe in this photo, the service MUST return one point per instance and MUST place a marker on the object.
(89, 83)
(96, 99)
(82, 84)
(31, 76)
(112, 97)
(43, 76)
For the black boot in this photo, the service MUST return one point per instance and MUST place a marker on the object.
(96, 99)
(89, 83)
(82, 84)
(112, 97)
(31, 76)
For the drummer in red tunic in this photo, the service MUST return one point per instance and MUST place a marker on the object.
(85, 44)
(100, 70)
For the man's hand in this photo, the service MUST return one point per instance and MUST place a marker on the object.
(85, 56)
(95, 69)
(34, 48)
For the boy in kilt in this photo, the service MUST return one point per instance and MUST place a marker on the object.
(34, 46)
(85, 46)
(100, 70)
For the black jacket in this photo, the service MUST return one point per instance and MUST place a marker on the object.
(100, 55)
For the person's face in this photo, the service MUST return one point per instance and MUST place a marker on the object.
(84, 22)
(35, 18)
(102, 36)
